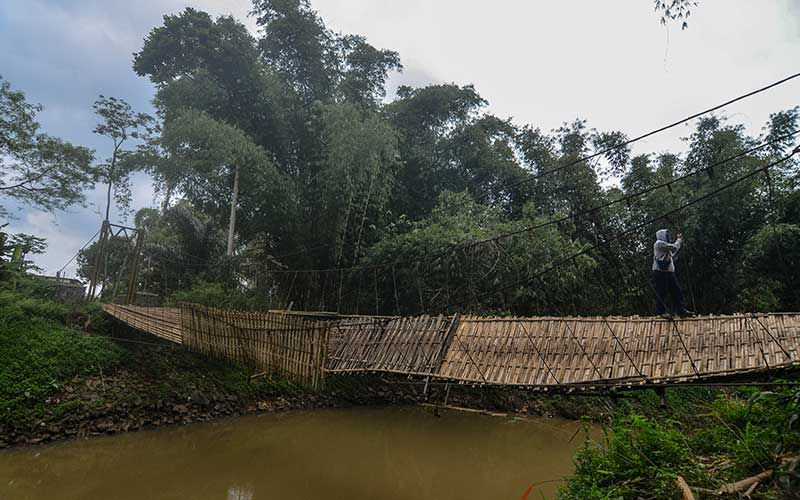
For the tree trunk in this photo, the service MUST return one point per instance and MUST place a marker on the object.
(234, 200)
(108, 198)
(111, 180)
(167, 196)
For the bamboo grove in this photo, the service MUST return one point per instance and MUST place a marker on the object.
(288, 177)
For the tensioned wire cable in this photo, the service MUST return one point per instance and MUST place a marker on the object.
(649, 134)
(576, 215)
(79, 251)
(590, 211)
(597, 154)
(631, 230)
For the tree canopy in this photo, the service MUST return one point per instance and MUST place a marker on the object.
(37, 169)
(338, 192)
(398, 203)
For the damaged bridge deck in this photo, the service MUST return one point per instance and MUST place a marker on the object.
(527, 352)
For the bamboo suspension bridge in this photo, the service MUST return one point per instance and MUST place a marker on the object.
(537, 352)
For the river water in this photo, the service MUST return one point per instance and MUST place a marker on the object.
(351, 454)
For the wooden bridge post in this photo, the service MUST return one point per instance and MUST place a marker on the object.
(98, 260)
(132, 279)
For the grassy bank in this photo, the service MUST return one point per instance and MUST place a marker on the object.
(62, 375)
(58, 380)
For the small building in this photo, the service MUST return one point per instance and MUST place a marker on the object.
(66, 290)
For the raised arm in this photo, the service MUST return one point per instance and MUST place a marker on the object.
(673, 247)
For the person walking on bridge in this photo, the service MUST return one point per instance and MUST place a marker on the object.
(664, 255)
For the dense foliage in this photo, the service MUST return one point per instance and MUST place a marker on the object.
(427, 202)
(731, 437)
(39, 353)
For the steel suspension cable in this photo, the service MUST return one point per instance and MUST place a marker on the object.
(624, 199)
(626, 232)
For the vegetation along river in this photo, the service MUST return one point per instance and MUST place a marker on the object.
(353, 454)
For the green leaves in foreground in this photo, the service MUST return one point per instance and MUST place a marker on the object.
(738, 435)
(639, 459)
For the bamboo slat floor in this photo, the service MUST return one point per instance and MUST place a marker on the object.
(163, 322)
(527, 352)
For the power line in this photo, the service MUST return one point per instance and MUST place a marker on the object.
(576, 215)
(618, 236)
(79, 251)
(597, 154)
(648, 134)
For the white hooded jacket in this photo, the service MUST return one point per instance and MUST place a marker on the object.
(663, 250)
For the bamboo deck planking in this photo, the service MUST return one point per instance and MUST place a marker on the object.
(527, 352)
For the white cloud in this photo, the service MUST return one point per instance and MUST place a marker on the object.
(60, 243)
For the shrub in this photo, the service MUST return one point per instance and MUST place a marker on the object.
(16, 307)
(216, 295)
(638, 459)
(38, 356)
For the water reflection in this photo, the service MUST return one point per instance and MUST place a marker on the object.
(354, 454)
(236, 493)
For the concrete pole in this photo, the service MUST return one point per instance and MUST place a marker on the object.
(234, 201)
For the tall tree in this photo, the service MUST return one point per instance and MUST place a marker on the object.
(228, 170)
(120, 123)
(295, 41)
(37, 169)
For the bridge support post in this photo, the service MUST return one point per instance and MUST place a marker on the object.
(98, 260)
(133, 278)
(662, 396)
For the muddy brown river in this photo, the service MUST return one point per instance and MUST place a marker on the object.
(352, 454)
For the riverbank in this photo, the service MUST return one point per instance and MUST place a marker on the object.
(68, 374)
(88, 384)
(71, 373)
(128, 382)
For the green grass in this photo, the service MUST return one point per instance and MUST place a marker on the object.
(38, 356)
(710, 440)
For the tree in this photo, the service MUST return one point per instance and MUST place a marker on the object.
(675, 11)
(769, 269)
(37, 169)
(214, 151)
(425, 119)
(295, 41)
(365, 70)
(350, 197)
(118, 122)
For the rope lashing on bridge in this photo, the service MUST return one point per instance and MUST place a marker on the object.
(759, 343)
(538, 352)
(683, 344)
(625, 351)
(583, 350)
(777, 342)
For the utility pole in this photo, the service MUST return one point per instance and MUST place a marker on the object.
(234, 201)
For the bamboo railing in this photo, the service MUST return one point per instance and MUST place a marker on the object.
(268, 342)
(525, 352)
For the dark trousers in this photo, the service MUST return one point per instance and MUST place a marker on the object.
(667, 286)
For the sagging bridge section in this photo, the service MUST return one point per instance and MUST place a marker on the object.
(537, 352)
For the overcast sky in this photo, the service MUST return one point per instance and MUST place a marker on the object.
(540, 62)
